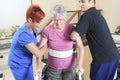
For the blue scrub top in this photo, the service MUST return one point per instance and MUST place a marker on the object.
(19, 55)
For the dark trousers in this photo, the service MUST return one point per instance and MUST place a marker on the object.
(64, 74)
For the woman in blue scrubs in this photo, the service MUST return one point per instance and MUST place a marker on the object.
(24, 45)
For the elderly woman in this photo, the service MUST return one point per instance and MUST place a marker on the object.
(23, 46)
(61, 58)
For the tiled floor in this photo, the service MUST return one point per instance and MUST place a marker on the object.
(6, 71)
(4, 67)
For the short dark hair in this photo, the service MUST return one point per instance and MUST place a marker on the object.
(94, 1)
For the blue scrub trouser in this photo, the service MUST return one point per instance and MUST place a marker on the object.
(22, 73)
(104, 71)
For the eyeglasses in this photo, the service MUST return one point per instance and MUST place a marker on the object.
(56, 20)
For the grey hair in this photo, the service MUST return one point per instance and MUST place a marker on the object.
(59, 10)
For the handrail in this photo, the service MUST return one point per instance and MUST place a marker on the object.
(78, 12)
(75, 12)
(72, 16)
(46, 25)
(49, 22)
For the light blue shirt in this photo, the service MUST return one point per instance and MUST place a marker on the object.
(19, 55)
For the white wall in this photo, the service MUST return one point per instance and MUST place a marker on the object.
(69, 5)
(115, 13)
(106, 6)
(12, 12)
(111, 12)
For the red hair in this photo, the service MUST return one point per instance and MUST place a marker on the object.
(35, 13)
